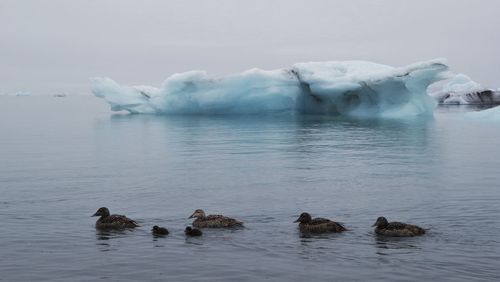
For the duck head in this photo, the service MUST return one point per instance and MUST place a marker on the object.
(304, 218)
(102, 212)
(188, 229)
(381, 222)
(155, 228)
(198, 214)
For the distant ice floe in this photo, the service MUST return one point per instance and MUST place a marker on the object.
(354, 88)
(20, 93)
(461, 90)
(492, 114)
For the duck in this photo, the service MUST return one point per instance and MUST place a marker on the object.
(318, 225)
(189, 231)
(159, 231)
(114, 221)
(213, 221)
(396, 229)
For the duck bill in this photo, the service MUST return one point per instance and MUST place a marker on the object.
(375, 224)
(298, 220)
(191, 216)
(95, 214)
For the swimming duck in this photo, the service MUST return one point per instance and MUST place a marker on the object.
(114, 221)
(213, 221)
(192, 231)
(159, 231)
(396, 229)
(318, 225)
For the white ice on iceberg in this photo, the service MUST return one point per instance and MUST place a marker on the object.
(354, 88)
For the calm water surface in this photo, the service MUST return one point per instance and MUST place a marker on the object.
(62, 158)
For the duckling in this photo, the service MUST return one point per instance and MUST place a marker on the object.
(114, 221)
(396, 229)
(159, 231)
(192, 232)
(318, 225)
(213, 221)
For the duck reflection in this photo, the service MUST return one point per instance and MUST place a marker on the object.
(107, 234)
(389, 245)
(104, 237)
(316, 246)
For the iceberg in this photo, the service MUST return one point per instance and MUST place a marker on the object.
(351, 88)
(491, 114)
(20, 93)
(461, 90)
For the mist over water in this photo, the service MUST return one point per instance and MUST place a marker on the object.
(64, 158)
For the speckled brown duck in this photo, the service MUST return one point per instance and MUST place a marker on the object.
(213, 221)
(396, 229)
(318, 225)
(113, 221)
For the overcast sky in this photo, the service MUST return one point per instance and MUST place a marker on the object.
(53, 46)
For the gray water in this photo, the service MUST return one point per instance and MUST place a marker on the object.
(62, 158)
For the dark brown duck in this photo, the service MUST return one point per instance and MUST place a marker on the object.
(318, 225)
(193, 232)
(159, 231)
(213, 221)
(113, 221)
(396, 229)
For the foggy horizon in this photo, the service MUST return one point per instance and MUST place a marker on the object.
(51, 47)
